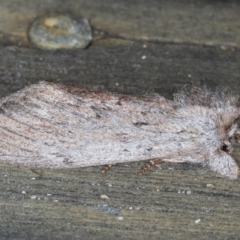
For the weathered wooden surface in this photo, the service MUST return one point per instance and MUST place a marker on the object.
(178, 201)
(117, 65)
(190, 22)
(163, 203)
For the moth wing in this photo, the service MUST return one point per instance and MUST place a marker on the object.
(49, 125)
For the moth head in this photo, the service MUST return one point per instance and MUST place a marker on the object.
(232, 137)
(227, 127)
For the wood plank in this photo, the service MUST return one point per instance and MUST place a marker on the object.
(118, 65)
(177, 200)
(188, 21)
(161, 203)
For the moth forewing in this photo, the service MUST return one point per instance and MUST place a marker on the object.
(55, 126)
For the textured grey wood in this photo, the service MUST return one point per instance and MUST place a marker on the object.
(117, 65)
(163, 204)
(187, 21)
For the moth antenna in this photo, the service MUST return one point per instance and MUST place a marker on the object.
(106, 168)
(149, 165)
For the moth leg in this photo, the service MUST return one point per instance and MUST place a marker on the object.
(149, 165)
(106, 168)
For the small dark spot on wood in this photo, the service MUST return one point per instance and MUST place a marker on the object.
(36, 172)
(144, 113)
(98, 116)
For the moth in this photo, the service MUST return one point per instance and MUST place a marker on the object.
(50, 125)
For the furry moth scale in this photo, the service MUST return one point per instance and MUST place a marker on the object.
(55, 126)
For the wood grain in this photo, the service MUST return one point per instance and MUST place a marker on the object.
(210, 23)
(165, 203)
(117, 65)
(162, 203)
(156, 205)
